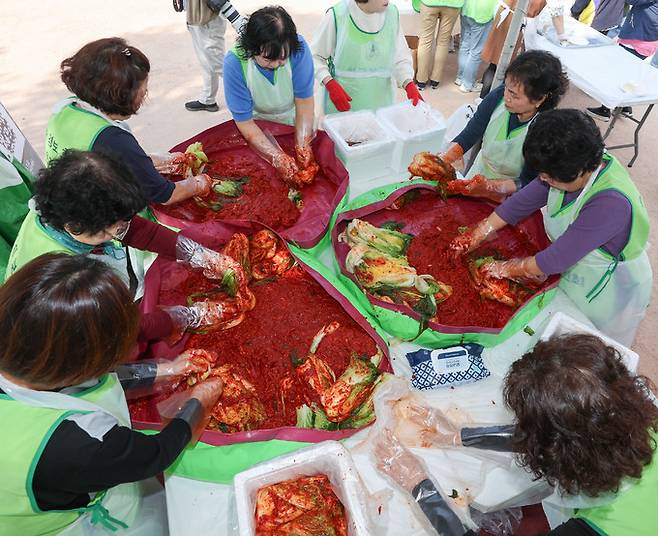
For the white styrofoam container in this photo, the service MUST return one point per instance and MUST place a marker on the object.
(369, 159)
(562, 324)
(329, 458)
(415, 128)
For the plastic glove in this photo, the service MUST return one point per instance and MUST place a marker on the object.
(202, 184)
(497, 190)
(167, 163)
(472, 238)
(413, 94)
(285, 166)
(338, 96)
(203, 313)
(454, 153)
(396, 462)
(304, 135)
(213, 263)
(194, 406)
(523, 270)
(190, 361)
(420, 426)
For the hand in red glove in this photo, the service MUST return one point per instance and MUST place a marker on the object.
(413, 94)
(338, 96)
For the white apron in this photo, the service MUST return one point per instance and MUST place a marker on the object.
(273, 102)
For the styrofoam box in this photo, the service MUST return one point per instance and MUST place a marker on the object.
(329, 458)
(371, 158)
(415, 128)
(562, 324)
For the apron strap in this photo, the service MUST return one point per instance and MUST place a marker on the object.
(603, 282)
(101, 515)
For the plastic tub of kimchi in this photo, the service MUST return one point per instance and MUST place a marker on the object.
(362, 143)
(315, 487)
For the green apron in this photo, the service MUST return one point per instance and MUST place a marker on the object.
(436, 3)
(33, 240)
(633, 512)
(272, 101)
(501, 155)
(612, 292)
(22, 446)
(363, 62)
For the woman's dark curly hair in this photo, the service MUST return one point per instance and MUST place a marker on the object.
(563, 144)
(270, 31)
(87, 191)
(541, 75)
(584, 422)
(107, 74)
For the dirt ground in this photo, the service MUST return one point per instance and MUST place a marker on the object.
(38, 35)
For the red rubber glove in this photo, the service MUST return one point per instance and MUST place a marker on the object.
(338, 96)
(413, 94)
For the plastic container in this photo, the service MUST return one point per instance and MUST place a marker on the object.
(415, 128)
(329, 458)
(362, 144)
(562, 324)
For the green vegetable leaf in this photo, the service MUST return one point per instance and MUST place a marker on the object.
(392, 226)
(462, 229)
(454, 494)
(529, 330)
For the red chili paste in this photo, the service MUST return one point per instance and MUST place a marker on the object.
(288, 314)
(434, 224)
(264, 198)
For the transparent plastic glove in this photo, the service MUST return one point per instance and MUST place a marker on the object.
(213, 263)
(269, 150)
(472, 238)
(396, 462)
(167, 163)
(202, 184)
(522, 270)
(189, 362)
(420, 426)
(203, 313)
(304, 135)
(413, 94)
(338, 96)
(454, 153)
(496, 190)
(194, 406)
(285, 166)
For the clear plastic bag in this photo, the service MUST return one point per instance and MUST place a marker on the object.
(500, 523)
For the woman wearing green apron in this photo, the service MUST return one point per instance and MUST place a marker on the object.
(78, 468)
(534, 83)
(360, 52)
(584, 424)
(108, 79)
(85, 203)
(593, 214)
(269, 75)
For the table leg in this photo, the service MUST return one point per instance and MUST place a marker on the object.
(615, 115)
(636, 134)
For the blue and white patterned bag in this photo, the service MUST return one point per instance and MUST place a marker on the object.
(444, 367)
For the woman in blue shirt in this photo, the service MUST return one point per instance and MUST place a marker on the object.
(269, 75)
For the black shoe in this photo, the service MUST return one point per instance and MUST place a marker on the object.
(601, 113)
(627, 110)
(434, 84)
(421, 85)
(196, 106)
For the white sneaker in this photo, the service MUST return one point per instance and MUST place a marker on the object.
(458, 81)
(477, 86)
(464, 89)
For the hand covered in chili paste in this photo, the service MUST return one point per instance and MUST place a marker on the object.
(472, 238)
(523, 270)
(214, 264)
(479, 186)
(285, 166)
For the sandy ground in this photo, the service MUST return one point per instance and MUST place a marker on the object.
(38, 35)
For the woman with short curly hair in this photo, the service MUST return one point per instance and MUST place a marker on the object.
(108, 79)
(585, 424)
(594, 216)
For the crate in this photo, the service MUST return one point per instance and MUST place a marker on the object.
(368, 158)
(329, 458)
(415, 129)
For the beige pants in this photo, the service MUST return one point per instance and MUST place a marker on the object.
(208, 41)
(429, 17)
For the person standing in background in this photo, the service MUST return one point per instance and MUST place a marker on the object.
(206, 22)
(475, 20)
(358, 53)
(607, 14)
(433, 12)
